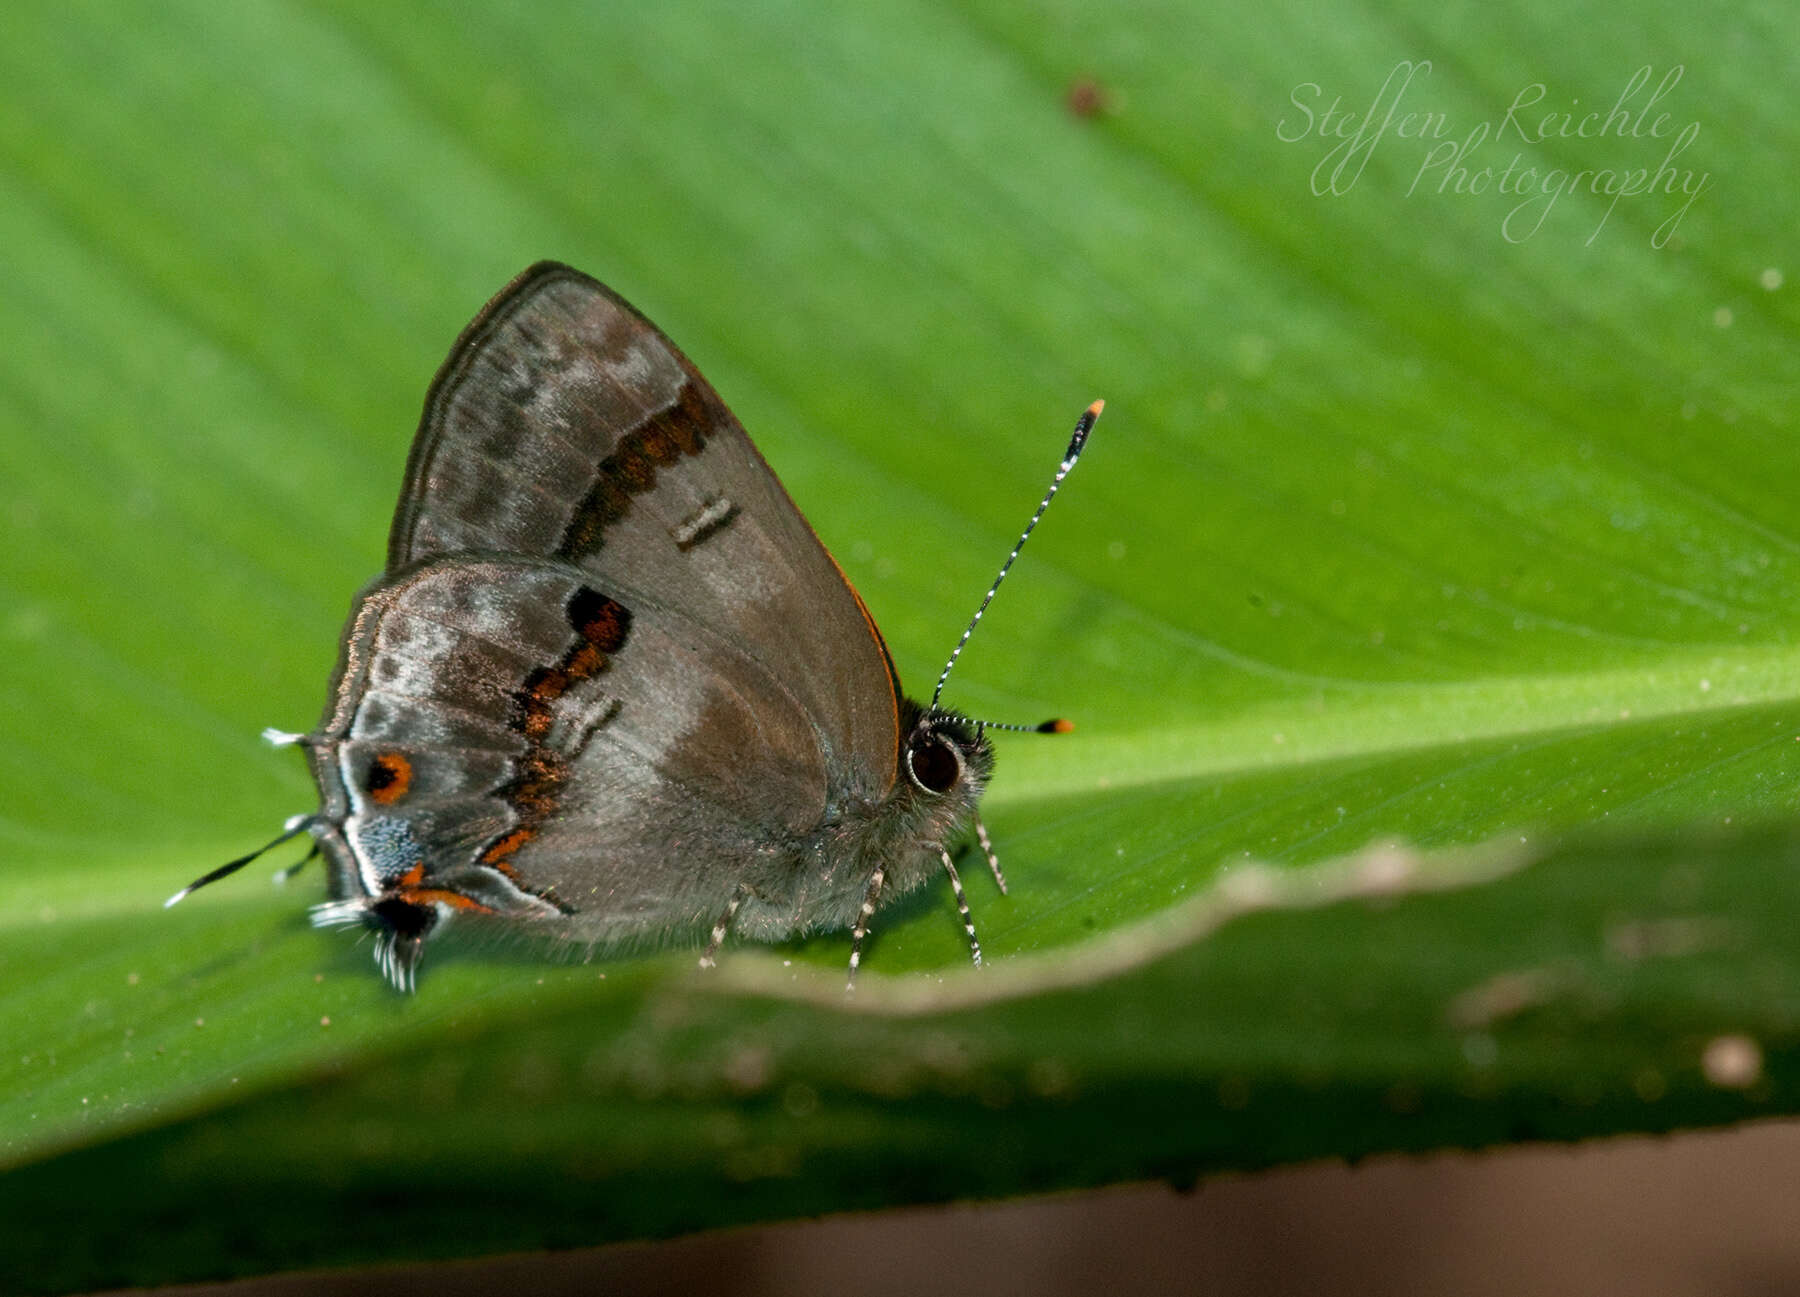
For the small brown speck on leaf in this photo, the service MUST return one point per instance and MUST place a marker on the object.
(1087, 98)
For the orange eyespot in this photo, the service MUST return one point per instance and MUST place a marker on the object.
(390, 775)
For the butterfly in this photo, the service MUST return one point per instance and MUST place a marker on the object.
(610, 687)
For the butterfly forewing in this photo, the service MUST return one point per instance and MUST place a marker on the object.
(565, 427)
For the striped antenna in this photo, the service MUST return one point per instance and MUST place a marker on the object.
(1083, 426)
(1055, 725)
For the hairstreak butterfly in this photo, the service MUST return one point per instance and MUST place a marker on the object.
(610, 686)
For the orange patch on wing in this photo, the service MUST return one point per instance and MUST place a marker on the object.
(585, 662)
(660, 445)
(604, 627)
(548, 684)
(440, 895)
(497, 854)
(390, 775)
(534, 792)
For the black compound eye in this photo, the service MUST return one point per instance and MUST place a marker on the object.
(934, 764)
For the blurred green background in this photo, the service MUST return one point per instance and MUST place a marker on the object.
(1444, 506)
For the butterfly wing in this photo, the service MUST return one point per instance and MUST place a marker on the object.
(565, 426)
(611, 680)
(508, 738)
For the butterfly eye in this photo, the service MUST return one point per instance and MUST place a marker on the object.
(933, 764)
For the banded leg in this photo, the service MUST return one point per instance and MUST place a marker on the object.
(861, 929)
(987, 849)
(711, 957)
(962, 906)
(283, 876)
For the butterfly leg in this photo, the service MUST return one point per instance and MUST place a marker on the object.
(861, 929)
(285, 875)
(987, 849)
(962, 906)
(711, 957)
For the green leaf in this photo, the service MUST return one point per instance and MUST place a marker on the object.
(1409, 523)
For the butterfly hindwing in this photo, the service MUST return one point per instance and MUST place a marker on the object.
(502, 726)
